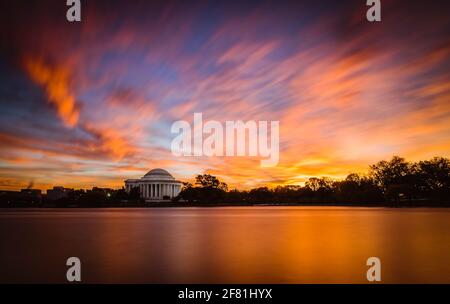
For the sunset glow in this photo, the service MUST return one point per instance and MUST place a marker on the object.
(91, 103)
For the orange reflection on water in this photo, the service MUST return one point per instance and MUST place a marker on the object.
(227, 245)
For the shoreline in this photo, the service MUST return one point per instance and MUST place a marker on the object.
(216, 205)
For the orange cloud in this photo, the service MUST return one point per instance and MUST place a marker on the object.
(111, 142)
(55, 80)
(346, 93)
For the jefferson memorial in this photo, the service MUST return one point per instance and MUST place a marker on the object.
(156, 185)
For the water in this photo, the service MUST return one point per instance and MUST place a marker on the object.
(226, 245)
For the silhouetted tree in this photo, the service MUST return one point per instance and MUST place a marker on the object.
(356, 188)
(261, 195)
(188, 193)
(434, 175)
(210, 181)
(394, 177)
(209, 191)
(321, 187)
(120, 195)
(395, 180)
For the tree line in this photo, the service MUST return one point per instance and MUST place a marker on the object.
(396, 181)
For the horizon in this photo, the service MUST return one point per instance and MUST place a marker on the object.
(192, 180)
(91, 103)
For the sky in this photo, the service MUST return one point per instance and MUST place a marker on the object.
(91, 103)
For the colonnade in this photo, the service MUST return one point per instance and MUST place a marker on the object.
(159, 190)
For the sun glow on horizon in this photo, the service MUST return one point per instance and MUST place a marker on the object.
(91, 104)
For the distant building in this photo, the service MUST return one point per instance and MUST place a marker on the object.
(31, 195)
(107, 191)
(156, 185)
(31, 192)
(8, 198)
(58, 193)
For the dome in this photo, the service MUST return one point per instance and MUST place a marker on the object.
(158, 174)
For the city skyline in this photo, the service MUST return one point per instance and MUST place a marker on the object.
(91, 103)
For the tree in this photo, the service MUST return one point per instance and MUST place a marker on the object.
(120, 195)
(435, 177)
(394, 177)
(210, 190)
(386, 173)
(321, 187)
(210, 181)
(261, 195)
(188, 193)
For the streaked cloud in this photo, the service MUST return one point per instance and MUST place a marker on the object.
(100, 97)
(55, 81)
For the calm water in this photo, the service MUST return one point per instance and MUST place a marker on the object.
(227, 245)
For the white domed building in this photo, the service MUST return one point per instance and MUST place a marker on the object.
(155, 186)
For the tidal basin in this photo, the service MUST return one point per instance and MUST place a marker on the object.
(225, 245)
